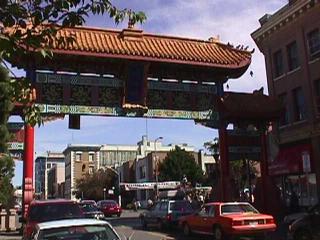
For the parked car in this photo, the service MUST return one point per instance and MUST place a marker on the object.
(166, 213)
(109, 207)
(307, 226)
(75, 229)
(91, 211)
(48, 210)
(225, 220)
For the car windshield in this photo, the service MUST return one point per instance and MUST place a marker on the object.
(89, 208)
(47, 212)
(237, 208)
(181, 206)
(92, 232)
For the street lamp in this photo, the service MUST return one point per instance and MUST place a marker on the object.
(156, 164)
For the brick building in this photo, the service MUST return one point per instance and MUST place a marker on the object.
(290, 42)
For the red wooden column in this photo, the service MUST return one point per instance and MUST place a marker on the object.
(264, 170)
(224, 163)
(28, 167)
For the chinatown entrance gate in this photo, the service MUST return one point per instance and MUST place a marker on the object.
(130, 73)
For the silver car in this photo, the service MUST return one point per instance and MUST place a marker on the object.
(74, 229)
(166, 213)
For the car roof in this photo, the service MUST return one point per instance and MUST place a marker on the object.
(70, 223)
(51, 201)
(226, 203)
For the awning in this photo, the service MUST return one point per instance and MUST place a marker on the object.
(289, 160)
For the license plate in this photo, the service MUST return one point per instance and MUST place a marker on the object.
(111, 208)
(253, 223)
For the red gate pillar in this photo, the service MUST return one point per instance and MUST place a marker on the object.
(224, 163)
(264, 170)
(28, 167)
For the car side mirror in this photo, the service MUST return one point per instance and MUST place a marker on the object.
(22, 220)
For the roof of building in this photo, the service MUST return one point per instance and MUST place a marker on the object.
(133, 43)
(136, 45)
(281, 18)
(253, 106)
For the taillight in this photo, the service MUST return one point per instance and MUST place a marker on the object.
(169, 217)
(270, 221)
(237, 223)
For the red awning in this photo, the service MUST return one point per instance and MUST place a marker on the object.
(289, 160)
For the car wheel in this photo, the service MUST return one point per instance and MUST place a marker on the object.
(302, 234)
(218, 233)
(119, 214)
(186, 229)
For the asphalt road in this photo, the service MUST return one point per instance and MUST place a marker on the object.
(129, 228)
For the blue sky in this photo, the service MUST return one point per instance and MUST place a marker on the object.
(232, 20)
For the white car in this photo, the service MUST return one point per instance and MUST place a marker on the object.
(74, 229)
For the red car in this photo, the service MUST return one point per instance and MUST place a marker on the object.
(226, 220)
(109, 207)
(48, 210)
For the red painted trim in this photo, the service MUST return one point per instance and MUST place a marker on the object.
(224, 163)
(264, 170)
(28, 167)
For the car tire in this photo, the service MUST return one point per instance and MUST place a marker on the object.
(302, 234)
(218, 233)
(119, 214)
(186, 230)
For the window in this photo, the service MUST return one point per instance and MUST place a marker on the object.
(164, 206)
(278, 63)
(78, 157)
(91, 170)
(91, 157)
(48, 165)
(314, 43)
(293, 58)
(284, 118)
(299, 104)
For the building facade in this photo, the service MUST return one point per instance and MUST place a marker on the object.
(290, 42)
(80, 160)
(43, 164)
(56, 179)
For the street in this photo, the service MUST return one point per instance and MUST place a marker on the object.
(129, 228)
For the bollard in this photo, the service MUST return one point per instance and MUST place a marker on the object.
(3, 214)
(12, 220)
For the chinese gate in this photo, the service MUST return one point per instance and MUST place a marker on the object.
(134, 74)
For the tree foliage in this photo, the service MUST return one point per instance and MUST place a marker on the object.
(91, 186)
(6, 162)
(178, 163)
